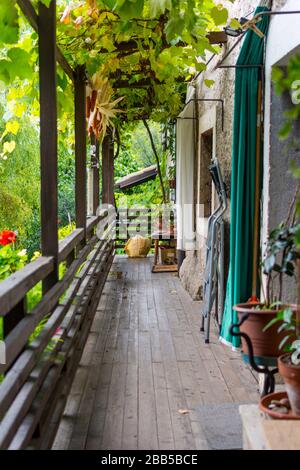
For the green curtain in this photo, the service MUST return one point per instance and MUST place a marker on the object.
(242, 197)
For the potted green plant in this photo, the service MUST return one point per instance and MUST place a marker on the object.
(289, 363)
(280, 261)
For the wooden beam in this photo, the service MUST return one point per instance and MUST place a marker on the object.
(28, 10)
(96, 175)
(48, 137)
(217, 37)
(31, 15)
(80, 148)
(64, 64)
(214, 37)
(108, 171)
(143, 83)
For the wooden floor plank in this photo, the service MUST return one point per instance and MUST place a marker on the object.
(130, 426)
(96, 424)
(113, 426)
(164, 421)
(144, 362)
(147, 417)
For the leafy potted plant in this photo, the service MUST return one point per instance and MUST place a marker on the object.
(289, 363)
(289, 328)
(281, 258)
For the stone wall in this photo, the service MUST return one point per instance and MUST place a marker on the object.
(192, 269)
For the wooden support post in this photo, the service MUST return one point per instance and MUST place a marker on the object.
(108, 194)
(48, 137)
(80, 148)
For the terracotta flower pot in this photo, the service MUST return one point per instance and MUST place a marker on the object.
(291, 377)
(265, 343)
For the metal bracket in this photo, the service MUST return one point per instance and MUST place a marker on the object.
(196, 100)
(269, 381)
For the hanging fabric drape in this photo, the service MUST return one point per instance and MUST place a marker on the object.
(185, 158)
(246, 146)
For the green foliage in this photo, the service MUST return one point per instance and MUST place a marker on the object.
(20, 187)
(287, 80)
(65, 231)
(66, 184)
(281, 258)
(16, 64)
(135, 154)
(11, 260)
(9, 24)
(282, 240)
(288, 324)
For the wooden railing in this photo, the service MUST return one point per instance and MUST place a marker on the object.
(38, 373)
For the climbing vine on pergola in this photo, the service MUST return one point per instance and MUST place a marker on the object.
(146, 49)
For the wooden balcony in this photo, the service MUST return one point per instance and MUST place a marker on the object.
(145, 369)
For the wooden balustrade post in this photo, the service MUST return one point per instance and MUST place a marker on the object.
(80, 148)
(48, 137)
(108, 193)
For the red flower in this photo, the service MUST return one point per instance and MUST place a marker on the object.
(7, 237)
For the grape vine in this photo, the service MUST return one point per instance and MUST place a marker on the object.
(146, 49)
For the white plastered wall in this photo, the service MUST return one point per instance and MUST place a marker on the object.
(185, 156)
(207, 121)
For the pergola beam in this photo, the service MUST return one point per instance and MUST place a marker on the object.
(33, 18)
(143, 83)
(214, 37)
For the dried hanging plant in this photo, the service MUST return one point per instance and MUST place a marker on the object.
(100, 109)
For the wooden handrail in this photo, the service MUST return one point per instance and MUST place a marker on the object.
(67, 245)
(95, 219)
(15, 287)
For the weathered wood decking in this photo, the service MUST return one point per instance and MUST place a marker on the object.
(144, 361)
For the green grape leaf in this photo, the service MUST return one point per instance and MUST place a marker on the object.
(209, 83)
(157, 7)
(219, 14)
(9, 24)
(174, 28)
(4, 71)
(129, 8)
(20, 63)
